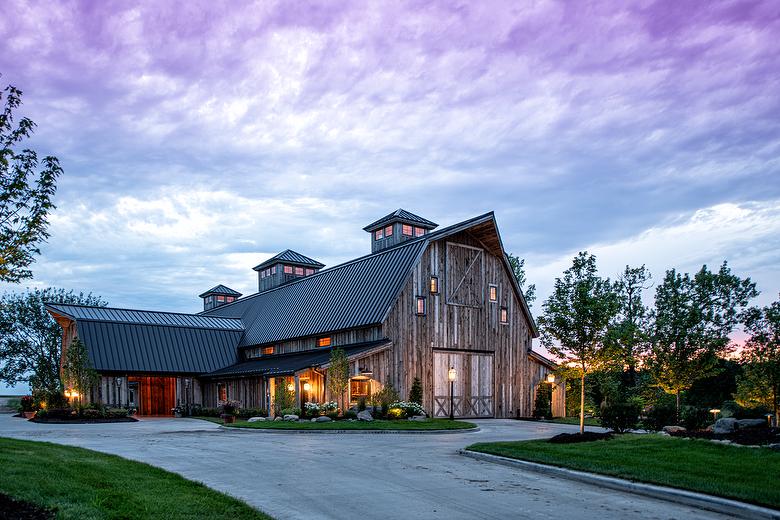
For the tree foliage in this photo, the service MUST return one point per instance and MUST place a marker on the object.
(77, 370)
(576, 319)
(27, 189)
(338, 374)
(416, 392)
(518, 268)
(693, 319)
(30, 339)
(760, 382)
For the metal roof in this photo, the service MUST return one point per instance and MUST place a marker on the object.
(286, 364)
(401, 215)
(291, 257)
(220, 289)
(354, 294)
(125, 347)
(138, 317)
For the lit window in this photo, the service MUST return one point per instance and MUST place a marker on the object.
(221, 392)
(323, 342)
(273, 270)
(504, 315)
(220, 298)
(268, 272)
(262, 274)
(434, 284)
(418, 231)
(389, 231)
(299, 271)
(230, 299)
(267, 351)
(421, 305)
(406, 229)
(378, 234)
(309, 271)
(288, 269)
(493, 293)
(359, 388)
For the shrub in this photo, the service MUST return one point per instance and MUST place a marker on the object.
(658, 416)
(290, 411)
(416, 392)
(735, 410)
(229, 407)
(407, 409)
(350, 414)
(621, 416)
(26, 404)
(311, 409)
(385, 396)
(361, 404)
(203, 411)
(396, 413)
(695, 418)
(543, 402)
(246, 413)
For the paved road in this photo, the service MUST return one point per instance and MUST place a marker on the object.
(358, 476)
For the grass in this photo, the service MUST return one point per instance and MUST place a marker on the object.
(400, 425)
(747, 474)
(84, 484)
(589, 421)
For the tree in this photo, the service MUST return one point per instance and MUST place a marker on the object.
(576, 319)
(629, 335)
(30, 339)
(338, 374)
(693, 320)
(28, 186)
(77, 370)
(518, 268)
(760, 382)
(416, 392)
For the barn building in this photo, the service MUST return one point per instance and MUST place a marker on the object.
(424, 301)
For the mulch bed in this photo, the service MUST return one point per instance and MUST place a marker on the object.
(745, 437)
(12, 509)
(569, 438)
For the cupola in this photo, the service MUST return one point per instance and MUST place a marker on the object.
(396, 227)
(219, 295)
(284, 267)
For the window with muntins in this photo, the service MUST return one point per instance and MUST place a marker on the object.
(323, 342)
(504, 315)
(434, 284)
(299, 271)
(418, 231)
(267, 351)
(288, 269)
(406, 229)
(389, 231)
(378, 234)
(493, 293)
(421, 305)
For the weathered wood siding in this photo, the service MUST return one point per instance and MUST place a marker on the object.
(346, 337)
(468, 323)
(249, 391)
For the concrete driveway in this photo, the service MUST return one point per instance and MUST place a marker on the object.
(359, 476)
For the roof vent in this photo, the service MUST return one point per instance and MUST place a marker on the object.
(284, 267)
(396, 227)
(219, 295)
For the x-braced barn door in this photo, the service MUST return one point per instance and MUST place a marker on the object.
(472, 394)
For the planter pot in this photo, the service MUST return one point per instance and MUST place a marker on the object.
(28, 415)
(228, 419)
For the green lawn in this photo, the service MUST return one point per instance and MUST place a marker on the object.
(589, 421)
(84, 484)
(747, 474)
(430, 424)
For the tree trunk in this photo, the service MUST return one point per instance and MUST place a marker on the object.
(582, 403)
(677, 413)
(774, 401)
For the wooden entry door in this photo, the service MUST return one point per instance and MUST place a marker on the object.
(473, 389)
(157, 395)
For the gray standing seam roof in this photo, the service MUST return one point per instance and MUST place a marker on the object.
(220, 289)
(401, 215)
(138, 317)
(354, 294)
(291, 257)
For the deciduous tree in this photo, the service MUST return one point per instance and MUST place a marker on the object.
(77, 370)
(338, 374)
(518, 268)
(760, 382)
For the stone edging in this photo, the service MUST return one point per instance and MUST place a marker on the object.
(403, 432)
(689, 498)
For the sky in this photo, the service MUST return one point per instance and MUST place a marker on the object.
(200, 138)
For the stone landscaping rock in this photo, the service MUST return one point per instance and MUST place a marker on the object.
(725, 425)
(751, 423)
(775, 446)
(418, 418)
(277, 418)
(323, 418)
(673, 429)
(290, 417)
(365, 415)
(256, 419)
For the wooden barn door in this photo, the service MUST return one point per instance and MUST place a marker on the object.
(473, 388)
(157, 395)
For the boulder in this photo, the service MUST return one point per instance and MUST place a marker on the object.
(323, 418)
(256, 419)
(751, 423)
(775, 446)
(365, 415)
(418, 418)
(291, 417)
(725, 425)
(277, 418)
(673, 429)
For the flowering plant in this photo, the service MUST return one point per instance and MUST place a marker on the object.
(311, 408)
(229, 407)
(330, 406)
(402, 409)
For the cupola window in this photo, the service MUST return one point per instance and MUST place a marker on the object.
(406, 229)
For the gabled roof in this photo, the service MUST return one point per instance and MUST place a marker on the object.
(220, 289)
(401, 215)
(288, 364)
(355, 294)
(544, 360)
(124, 340)
(138, 317)
(291, 257)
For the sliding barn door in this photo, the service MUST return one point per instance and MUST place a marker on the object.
(472, 394)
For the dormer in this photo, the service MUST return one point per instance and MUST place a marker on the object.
(397, 227)
(219, 295)
(284, 267)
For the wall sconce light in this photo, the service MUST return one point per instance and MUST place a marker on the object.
(291, 387)
(452, 374)
(118, 381)
(306, 386)
(551, 378)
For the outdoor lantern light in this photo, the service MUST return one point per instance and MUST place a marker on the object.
(306, 386)
(715, 412)
(551, 378)
(452, 374)
(291, 387)
(118, 381)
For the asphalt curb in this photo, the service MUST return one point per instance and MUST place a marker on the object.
(351, 432)
(689, 498)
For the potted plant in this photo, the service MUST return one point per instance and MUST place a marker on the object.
(177, 412)
(26, 407)
(229, 409)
